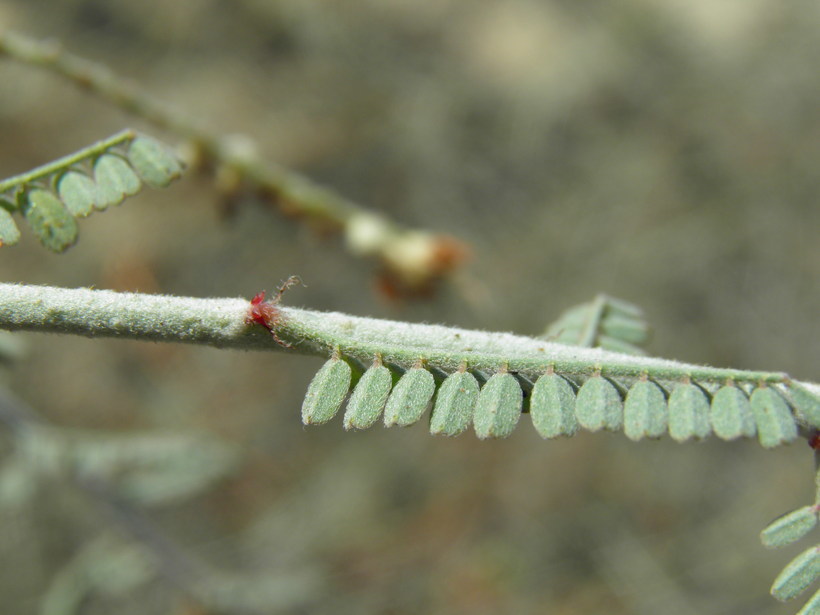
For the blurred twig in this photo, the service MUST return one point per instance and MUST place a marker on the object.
(412, 259)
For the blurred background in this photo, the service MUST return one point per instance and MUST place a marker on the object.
(661, 151)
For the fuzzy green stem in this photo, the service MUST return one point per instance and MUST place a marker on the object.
(95, 149)
(223, 323)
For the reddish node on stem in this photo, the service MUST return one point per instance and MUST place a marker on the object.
(266, 314)
(814, 440)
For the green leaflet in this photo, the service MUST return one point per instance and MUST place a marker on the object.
(598, 405)
(806, 403)
(78, 193)
(153, 162)
(604, 322)
(798, 575)
(326, 392)
(455, 403)
(115, 180)
(409, 397)
(790, 527)
(9, 233)
(54, 226)
(775, 423)
(552, 407)
(688, 413)
(625, 327)
(368, 398)
(499, 407)
(645, 412)
(732, 414)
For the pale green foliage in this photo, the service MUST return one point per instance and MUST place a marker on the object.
(790, 527)
(368, 398)
(48, 218)
(51, 197)
(732, 414)
(801, 572)
(806, 403)
(645, 413)
(552, 407)
(9, 233)
(775, 423)
(153, 162)
(599, 406)
(688, 413)
(78, 192)
(604, 322)
(409, 398)
(115, 180)
(499, 407)
(455, 400)
(326, 392)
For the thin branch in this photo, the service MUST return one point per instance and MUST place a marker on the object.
(123, 136)
(224, 323)
(414, 257)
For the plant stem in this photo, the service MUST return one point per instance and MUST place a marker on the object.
(123, 136)
(222, 323)
(415, 257)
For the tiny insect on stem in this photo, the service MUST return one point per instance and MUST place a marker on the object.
(266, 314)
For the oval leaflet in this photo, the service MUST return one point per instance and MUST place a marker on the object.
(114, 179)
(78, 192)
(368, 398)
(552, 407)
(9, 233)
(795, 578)
(48, 218)
(645, 412)
(455, 403)
(731, 414)
(153, 162)
(790, 527)
(775, 423)
(598, 405)
(688, 412)
(409, 397)
(326, 392)
(499, 407)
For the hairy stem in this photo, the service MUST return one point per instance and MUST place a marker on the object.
(417, 257)
(223, 323)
